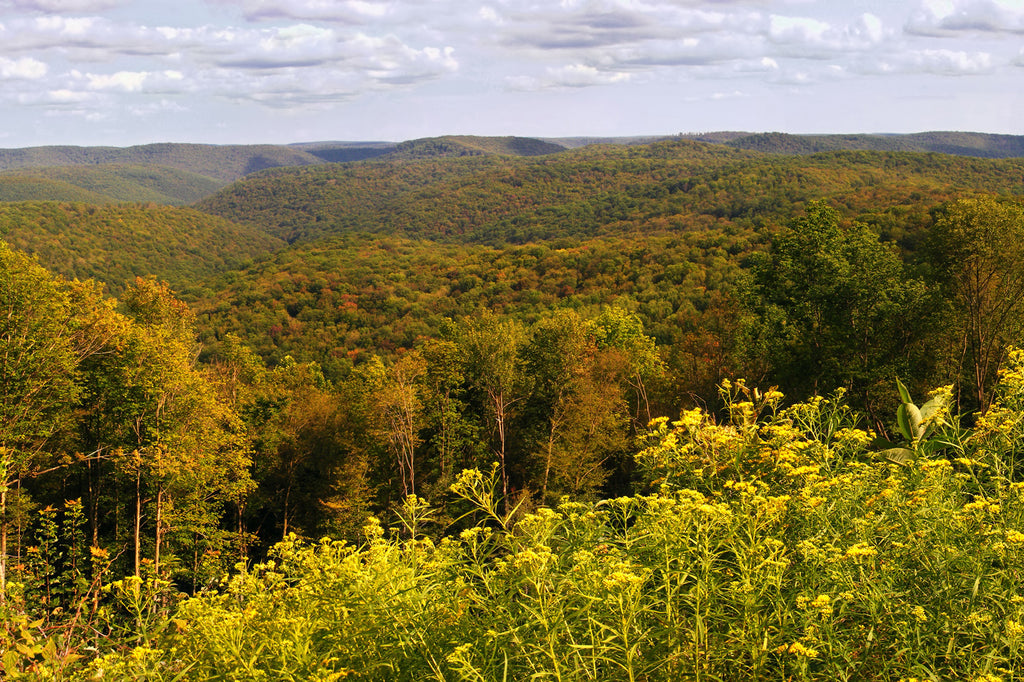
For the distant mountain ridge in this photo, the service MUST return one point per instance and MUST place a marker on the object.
(180, 173)
(983, 145)
(225, 163)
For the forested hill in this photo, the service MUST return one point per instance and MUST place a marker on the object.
(174, 174)
(959, 143)
(558, 328)
(115, 243)
(384, 250)
(676, 184)
(221, 162)
(106, 183)
(469, 145)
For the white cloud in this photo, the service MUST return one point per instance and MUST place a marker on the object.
(340, 11)
(816, 39)
(66, 96)
(147, 57)
(62, 6)
(125, 81)
(581, 75)
(797, 29)
(951, 62)
(940, 18)
(26, 68)
(940, 62)
(569, 76)
(599, 25)
(305, 61)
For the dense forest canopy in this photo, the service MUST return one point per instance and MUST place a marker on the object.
(313, 348)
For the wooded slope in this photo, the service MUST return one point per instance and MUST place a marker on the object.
(107, 183)
(115, 243)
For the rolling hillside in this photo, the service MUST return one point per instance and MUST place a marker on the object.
(115, 243)
(221, 162)
(107, 183)
(469, 145)
(961, 144)
(381, 251)
(675, 185)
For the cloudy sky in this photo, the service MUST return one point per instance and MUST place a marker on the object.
(121, 72)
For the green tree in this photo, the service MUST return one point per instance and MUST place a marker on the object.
(452, 439)
(617, 329)
(578, 406)
(396, 410)
(159, 421)
(833, 307)
(37, 370)
(977, 248)
(311, 453)
(492, 348)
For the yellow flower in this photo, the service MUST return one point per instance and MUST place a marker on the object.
(861, 549)
(621, 580)
(1014, 629)
(799, 649)
(919, 614)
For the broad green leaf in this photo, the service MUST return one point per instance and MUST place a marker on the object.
(933, 406)
(903, 420)
(902, 456)
(914, 415)
(904, 393)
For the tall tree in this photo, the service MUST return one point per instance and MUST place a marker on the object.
(492, 348)
(578, 407)
(452, 438)
(977, 248)
(833, 307)
(310, 453)
(37, 370)
(396, 410)
(617, 329)
(178, 445)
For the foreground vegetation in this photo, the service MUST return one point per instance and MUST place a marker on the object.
(772, 544)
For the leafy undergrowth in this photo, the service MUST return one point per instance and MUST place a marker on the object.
(775, 544)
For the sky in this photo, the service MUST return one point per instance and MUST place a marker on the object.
(126, 72)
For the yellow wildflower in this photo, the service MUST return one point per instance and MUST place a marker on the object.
(799, 649)
(1014, 629)
(622, 580)
(861, 549)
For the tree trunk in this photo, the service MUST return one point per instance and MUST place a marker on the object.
(499, 417)
(242, 548)
(159, 530)
(138, 520)
(3, 543)
(287, 495)
(94, 504)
